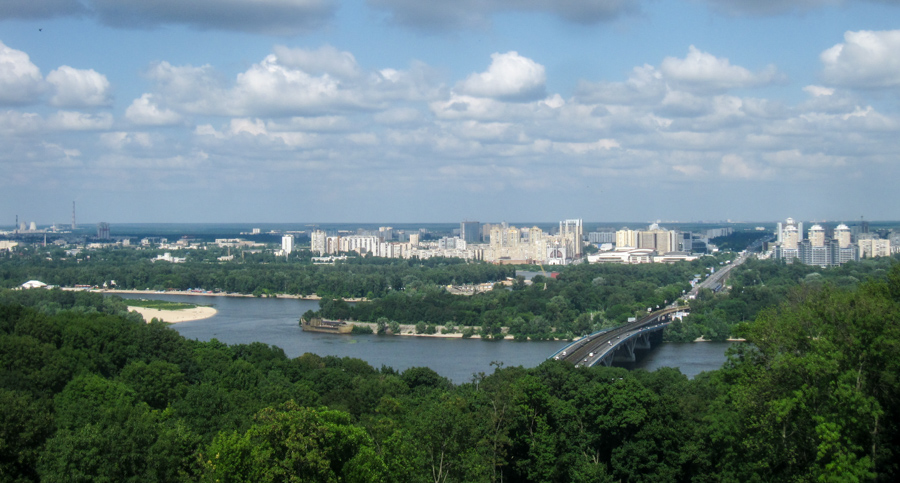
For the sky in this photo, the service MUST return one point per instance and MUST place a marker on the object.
(417, 111)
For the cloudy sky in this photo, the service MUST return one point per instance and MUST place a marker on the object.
(420, 111)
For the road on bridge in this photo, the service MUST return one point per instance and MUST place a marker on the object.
(601, 347)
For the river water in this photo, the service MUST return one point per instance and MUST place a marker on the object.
(242, 320)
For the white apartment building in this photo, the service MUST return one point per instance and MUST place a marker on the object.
(287, 244)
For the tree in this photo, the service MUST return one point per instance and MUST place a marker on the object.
(293, 443)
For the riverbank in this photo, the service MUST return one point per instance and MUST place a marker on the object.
(113, 291)
(409, 330)
(174, 316)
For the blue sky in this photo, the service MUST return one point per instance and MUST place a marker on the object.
(411, 111)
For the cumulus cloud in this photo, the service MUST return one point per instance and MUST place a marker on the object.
(79, 88)
(510, 76)
(291, 82)
(866, 59)
(703, 71)
(145, 111)
(20, 80)
(477, 13)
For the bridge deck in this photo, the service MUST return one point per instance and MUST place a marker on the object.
(602, 346)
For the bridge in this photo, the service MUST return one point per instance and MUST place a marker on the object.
(619, 343)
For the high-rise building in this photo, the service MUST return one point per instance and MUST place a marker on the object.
(572, 231)
(318, 242)
(626, 238)
(470, 231)
(817, 236)
(103, 230)
(842, 236)
(287, 244)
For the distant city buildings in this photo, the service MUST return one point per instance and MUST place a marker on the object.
(505, 244)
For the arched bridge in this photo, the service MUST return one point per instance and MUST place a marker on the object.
(619, 343)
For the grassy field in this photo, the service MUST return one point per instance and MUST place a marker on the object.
(160, 304)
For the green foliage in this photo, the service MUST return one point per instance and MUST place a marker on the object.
(160, 304)
(88, 395)
(293, 443)
(361, 329)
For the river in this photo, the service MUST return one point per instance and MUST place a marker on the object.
(242, 320)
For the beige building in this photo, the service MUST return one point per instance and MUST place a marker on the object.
(655, 238)
(872, 248)
(843, 236)
(626, 238)
(817, 236)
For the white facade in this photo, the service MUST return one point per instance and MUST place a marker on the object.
(287, 244)
(317, 242)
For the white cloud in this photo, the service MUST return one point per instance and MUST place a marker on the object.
(14, 123)
(818, 91)
(703, 71)
(20, 80)
(79, 88)
(278, 88)
(145, 111)
(79, 121)
(509, 77)
(270, 86)
(866, 59)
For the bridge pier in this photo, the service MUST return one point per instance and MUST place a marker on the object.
(625, 352)
(643, 341)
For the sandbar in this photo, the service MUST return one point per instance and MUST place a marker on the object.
(174, 316)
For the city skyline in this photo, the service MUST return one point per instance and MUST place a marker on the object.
(361, 111)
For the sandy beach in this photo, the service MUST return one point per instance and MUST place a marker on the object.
(174, 316)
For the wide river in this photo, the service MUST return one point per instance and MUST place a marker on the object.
(242, 320)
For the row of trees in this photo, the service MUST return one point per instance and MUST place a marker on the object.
(87, 394)
(356, 277)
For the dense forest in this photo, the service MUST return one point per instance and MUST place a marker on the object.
(88, 393)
